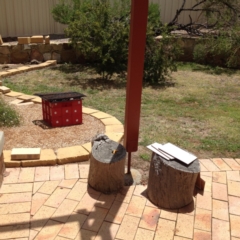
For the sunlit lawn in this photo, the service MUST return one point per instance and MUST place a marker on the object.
(199, 112)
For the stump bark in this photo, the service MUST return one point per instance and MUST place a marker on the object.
(171, 183)
(107, 164)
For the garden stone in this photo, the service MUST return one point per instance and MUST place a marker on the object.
(57, 47)
(46, 56)
(57, 57)
(36, 55)
(27, 47)
(43, 48)
(5, 50)
(1, 141)
(19, 57)
(4, 59)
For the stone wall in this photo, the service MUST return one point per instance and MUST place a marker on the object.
(23, 53)
(62, 52)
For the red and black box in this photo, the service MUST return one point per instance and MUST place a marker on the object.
(62, 109)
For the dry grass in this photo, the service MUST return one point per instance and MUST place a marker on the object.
(200, 112)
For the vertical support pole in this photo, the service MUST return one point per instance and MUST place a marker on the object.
(137, 42)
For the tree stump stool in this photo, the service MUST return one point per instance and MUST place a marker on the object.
(171, 183)
(107, 165)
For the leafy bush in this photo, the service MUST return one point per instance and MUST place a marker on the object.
(160, 55)
(224, 49)
(100, 32)
(99, 29)
(64, 11)
(8, 116)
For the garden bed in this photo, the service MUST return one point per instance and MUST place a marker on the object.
(33, 132)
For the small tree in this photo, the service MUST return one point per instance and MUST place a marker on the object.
(99, 29)
(100, 32)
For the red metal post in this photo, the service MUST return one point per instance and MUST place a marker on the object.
(139, 13)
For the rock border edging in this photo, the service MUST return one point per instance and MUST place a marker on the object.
(113, 129)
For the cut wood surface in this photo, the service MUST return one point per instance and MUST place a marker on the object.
(107, 161)
(171, 183)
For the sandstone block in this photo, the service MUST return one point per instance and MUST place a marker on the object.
(117, 137)
(5, 50)
(47, 158)
(47, 39)
(23, 69)
(4, 89)
(114, 128)
(110, 121)
(88, 110)
(25, 153)
(72, 154)
(2, 169)
(37, 39)
(16, 101)
(1, 142)
(4, 74)
(35, 54)
(101, 115)
(26, 97)
(24, 40)
(56, 56)
(26, 47)
(45, 48)
(4, 59)
(88, 146)
(7, 160)
(37, 100)
(12, 72)
(52, 62)
(47, 56)
(57, 47)
(19, 56)
(13, 94)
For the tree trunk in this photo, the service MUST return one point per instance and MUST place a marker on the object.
(171, 183)
(107, 164)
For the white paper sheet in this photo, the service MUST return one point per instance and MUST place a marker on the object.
(178, 153)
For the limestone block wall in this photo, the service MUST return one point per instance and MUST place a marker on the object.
(2, 167)
(23, 53)
(63, 52)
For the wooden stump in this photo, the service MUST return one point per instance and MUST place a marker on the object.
(107, 164)
(171, 183)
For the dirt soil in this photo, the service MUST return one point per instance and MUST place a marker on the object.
(33, 132)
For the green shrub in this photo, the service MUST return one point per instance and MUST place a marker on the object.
(8, 116)
(225, 47)
(100, 32)
(64, 11)
(99, 29)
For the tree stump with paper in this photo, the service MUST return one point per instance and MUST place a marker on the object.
(171, 181)
(107, 165)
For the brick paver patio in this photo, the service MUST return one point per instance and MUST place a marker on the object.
(56, 203)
